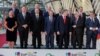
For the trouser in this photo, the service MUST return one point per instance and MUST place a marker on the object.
(36, 39)
(77, 38)
(23, 38)
(64, 38)
(91, 37)
(50, 40)
(15, 37)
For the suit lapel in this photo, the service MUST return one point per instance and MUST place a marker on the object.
(22, 18)
(62, 20)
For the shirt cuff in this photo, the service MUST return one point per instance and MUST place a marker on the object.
(90, 28)
(96, 28)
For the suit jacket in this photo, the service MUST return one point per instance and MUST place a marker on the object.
(36, 25)
(83, 19)
(89, 23)
(46, 14)
(56, 20)
(40, 13)
(21, 21)
(79, 25)
(61, 27)
(49, 26)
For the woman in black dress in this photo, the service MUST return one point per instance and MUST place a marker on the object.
(10, 24)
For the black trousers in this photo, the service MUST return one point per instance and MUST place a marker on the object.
(36, 40)
(77, 39)
(91, 36)
(23, 38)
(64, 38)
(16, 36)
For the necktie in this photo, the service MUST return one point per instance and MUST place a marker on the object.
(24, 15)
(81, 14)
(50, 18)
(93, 20)
(76, 20)
(64, 19)
(37, 16)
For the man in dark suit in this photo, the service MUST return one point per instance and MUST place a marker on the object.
(77, 30)
(83, 17)
(23, 26)
(63, 28)
(37, 27)
(92, 26)
(56, 20)
(49, 30)
(16, 11)
(71, 16)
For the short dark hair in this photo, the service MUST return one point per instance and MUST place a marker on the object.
(93, 12)
(23, 6)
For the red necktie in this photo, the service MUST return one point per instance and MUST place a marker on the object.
(64, 19)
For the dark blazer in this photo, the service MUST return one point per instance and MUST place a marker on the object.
(61, 27)
(79, 25)
(89, 23)
(83, 17)
(21, 21)
(36, 25)
(45, 14)
(56, 20)
(49, 26)
(40, 13)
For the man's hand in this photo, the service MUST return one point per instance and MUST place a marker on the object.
(45, 33)
(12, 29)
(41, 33)
(94, 29)
(31, 32)
(58, 33)
(74, 26)
(25, 26)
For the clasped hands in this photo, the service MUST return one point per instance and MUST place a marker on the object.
(25, 26)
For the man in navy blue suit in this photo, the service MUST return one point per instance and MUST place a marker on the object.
(49, 30)
(92, 25)
(63, 28)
